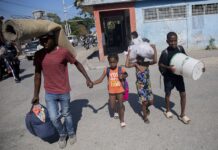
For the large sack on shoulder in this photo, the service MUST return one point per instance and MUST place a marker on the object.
(24, 29)
(39, 124)
(142, 49)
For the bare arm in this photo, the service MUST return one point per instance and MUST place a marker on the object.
(100, 79)
(80, 67)
(128, 63)
(37, 84)
(154, 60)
(171, 68)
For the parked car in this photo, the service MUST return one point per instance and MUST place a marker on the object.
(73, 40)
(31, 48)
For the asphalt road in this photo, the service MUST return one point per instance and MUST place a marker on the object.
(99, 131)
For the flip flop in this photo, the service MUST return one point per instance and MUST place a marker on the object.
(168, 115)
(147, 121)
(185, 119)
(122, 124)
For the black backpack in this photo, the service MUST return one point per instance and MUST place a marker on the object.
(164, 59)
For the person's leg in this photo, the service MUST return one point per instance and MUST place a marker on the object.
(65, 112)
(144, 110)
(167, 100)
(112, 101)
(53, 110)
(183, 103)
(16, 70)
(116, 115)
(180, 86)
(121, 107)
(168, 86)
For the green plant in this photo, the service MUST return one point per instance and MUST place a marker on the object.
(211, 44)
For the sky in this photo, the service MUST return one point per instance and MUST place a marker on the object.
(10, 8)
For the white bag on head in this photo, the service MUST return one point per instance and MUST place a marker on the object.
(140, 48)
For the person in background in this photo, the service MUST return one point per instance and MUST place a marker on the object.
(12, 60)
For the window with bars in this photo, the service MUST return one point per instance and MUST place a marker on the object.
(212, 8)
(205, 9)
(152, 14)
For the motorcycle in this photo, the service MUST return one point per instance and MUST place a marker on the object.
(5, 69)
(89, 41)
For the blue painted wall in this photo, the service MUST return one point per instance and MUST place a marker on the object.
(194, 32)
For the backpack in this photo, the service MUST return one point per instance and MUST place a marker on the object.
(164, 56)
(124, 83)
(43, 129)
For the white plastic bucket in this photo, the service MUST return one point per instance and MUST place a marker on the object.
(187, 66)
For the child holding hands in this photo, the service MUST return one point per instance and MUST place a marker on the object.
(115, 86)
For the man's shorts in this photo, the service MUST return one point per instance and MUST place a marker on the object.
(174, 81)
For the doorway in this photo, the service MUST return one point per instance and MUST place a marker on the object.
(115, 30)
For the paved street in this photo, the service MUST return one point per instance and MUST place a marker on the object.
(99, 131)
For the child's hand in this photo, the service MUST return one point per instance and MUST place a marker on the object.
(172, 69)
(35, 100)
(121, 76)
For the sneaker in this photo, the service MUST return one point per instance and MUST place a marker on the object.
(116, 115)
(62, 142)
(72, 139)
(17, 80)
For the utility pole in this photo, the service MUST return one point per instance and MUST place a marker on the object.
(67, 26)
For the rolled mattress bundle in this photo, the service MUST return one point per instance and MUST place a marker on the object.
(24, 29)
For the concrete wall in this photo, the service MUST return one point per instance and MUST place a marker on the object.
(194, 32)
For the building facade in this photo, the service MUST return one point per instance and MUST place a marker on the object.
(195, 22)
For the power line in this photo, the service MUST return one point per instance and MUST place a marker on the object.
(27, 6)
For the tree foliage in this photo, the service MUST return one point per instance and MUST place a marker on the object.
(79, 25)
(54, 17)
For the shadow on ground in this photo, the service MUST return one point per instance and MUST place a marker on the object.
(26, 76)
(76, 108)
(159, 103)
(134, 103)
(22, 70)
(94, 54)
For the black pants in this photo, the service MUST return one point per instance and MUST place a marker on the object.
(173, 81)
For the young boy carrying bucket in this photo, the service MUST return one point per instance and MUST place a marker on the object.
(172, 80)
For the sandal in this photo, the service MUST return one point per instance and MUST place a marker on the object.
(146, 121)
(168, 115)
(185, 119)
(122, 124)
